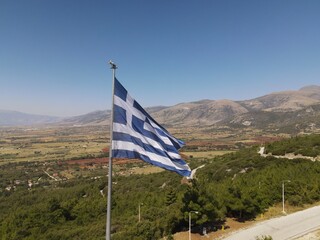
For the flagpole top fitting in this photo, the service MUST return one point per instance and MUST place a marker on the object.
(113, 65)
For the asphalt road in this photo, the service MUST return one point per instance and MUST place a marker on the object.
(282, 228)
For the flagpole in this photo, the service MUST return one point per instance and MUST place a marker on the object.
(108, 223)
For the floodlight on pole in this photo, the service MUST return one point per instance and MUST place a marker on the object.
(283, 211)
(140, 211)
(196, 212)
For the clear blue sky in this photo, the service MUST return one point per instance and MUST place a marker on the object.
(54, 54)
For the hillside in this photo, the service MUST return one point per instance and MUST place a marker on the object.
(201, 112)
(93, 118)
(285, 101)
(306, 119)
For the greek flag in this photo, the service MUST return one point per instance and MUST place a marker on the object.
(137, 135)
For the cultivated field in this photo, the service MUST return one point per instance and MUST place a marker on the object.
(45, 144)
(87, 142)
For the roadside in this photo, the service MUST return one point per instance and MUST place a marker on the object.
(311, 236)
(287, 155)
(287, 227)
(232, 226)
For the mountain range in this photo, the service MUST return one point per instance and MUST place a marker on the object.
(279, 108)
(15, 118)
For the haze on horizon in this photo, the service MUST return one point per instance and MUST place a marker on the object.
(54, 54)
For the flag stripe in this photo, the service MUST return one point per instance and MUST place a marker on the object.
(125, 133)
(120, 91)
(138, 126)
(128, 146)
(124, 104)
(162, 131)
(139, 131)
(119, 115)
(147, 147)
(143, 115)
(132, 154)
(164, 135)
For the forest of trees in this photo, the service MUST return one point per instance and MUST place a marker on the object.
(240, 185)
(308, 145)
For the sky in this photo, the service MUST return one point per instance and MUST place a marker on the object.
(54, 53)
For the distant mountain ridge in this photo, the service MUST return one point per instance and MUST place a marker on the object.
(272, 108)
(306, 119)
(15, 118)
(275, 110)
(285, 101)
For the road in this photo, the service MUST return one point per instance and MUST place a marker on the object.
(287, 155)
(282, 228)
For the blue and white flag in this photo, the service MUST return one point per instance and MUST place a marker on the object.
(137, 135)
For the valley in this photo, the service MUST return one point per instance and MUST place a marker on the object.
(64, 168)
(53, 177)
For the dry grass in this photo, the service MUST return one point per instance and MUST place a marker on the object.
(205, 154)
(311, 236)
(147, 170)
(276, 211)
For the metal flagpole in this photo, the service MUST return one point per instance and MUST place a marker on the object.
(108, 224)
